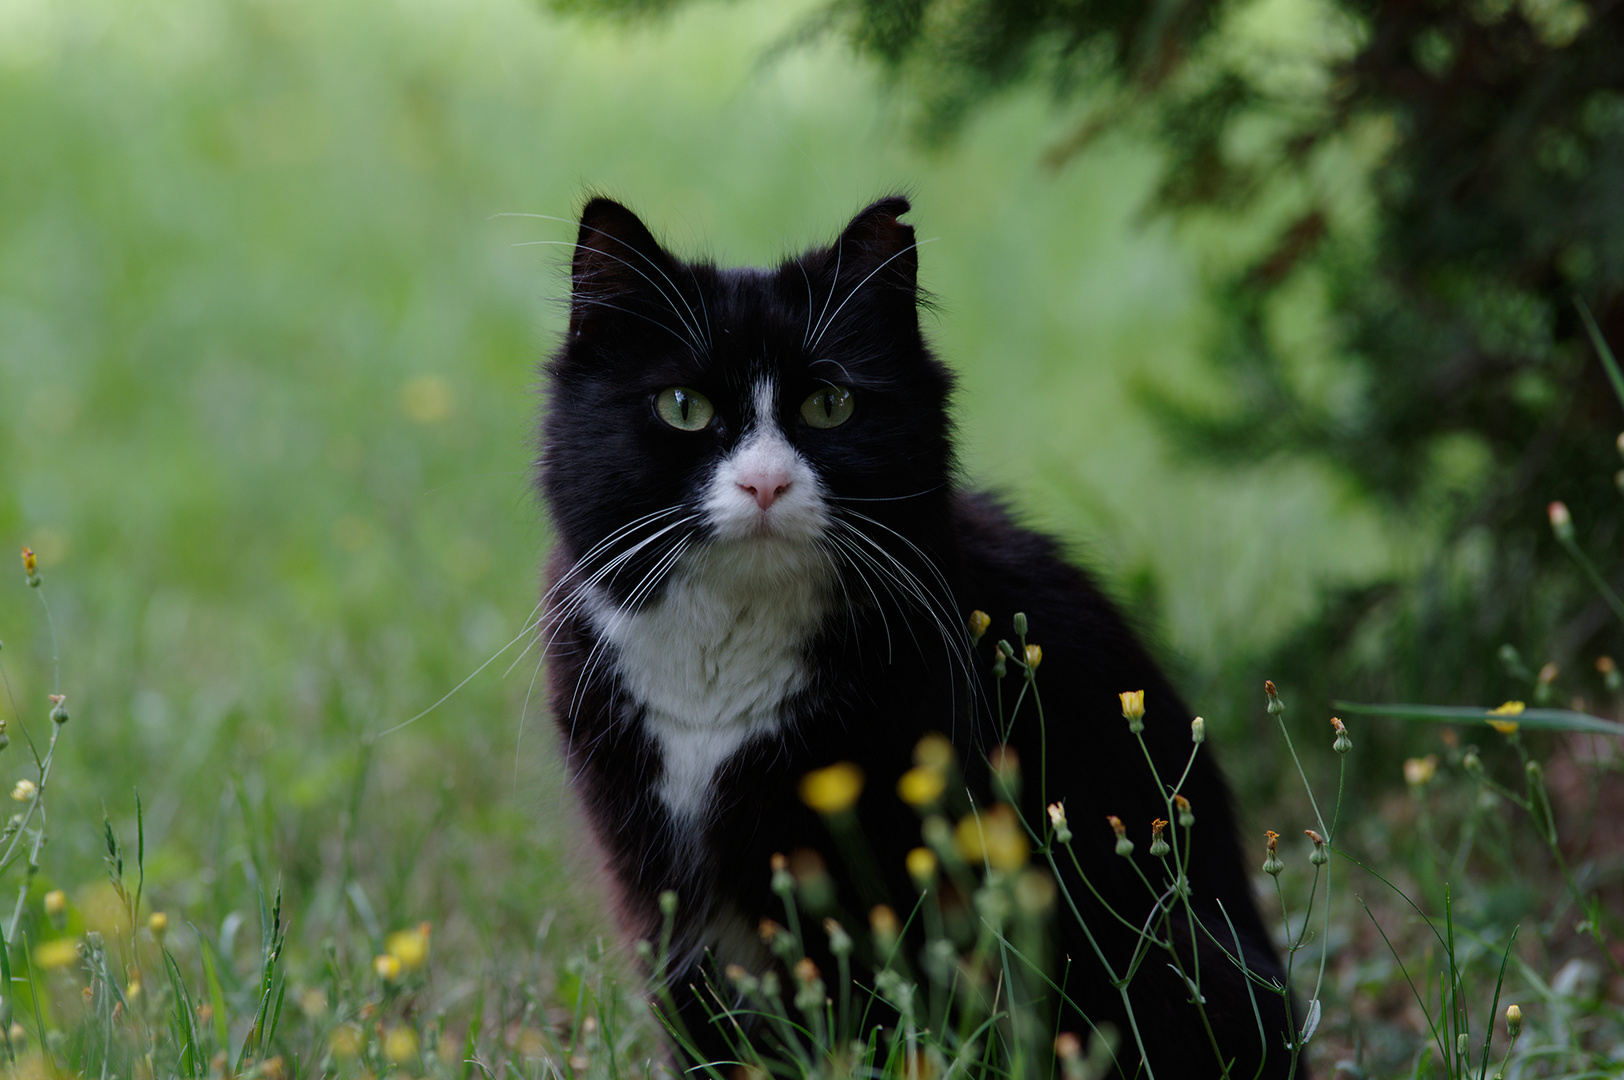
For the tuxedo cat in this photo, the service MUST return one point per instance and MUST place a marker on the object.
(764, 565)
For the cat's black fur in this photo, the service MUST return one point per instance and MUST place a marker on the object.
(884, 660)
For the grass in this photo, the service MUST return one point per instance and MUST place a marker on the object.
(265, 417)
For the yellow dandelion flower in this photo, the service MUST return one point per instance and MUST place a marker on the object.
(995, 837)
(921, 786)
(934, 751)
(1420, 771)
(1510, 708)
(400, 1044)
(834, 789)
(1034, 656)
(387, 966)
(921, 863)
(410, 947)
(1133, 704)
(56, 903)
(56, 954)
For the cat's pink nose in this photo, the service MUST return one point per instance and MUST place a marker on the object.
(764, 486)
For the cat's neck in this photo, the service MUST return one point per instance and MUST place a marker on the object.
(713, 660)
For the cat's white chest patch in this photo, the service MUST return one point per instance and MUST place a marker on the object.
(713, 662)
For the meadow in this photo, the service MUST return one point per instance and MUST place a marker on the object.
(275, 281)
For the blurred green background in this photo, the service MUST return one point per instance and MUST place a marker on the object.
(275, 278)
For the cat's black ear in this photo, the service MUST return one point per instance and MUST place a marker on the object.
(616, 258)
(878, 247)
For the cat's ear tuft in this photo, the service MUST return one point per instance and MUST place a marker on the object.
(615, 255)
(878, 244)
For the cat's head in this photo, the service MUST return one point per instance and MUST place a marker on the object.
(761, 409)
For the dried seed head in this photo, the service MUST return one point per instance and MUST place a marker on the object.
(1186, 815)
(1271, 862)
(1319, 856)
(1158, 846)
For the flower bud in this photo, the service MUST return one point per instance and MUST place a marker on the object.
(979, 621)
(1034, 657)
(999, 667)
(783, 882)
(1186, 815)
(31, 567)
(59, 709)
(1513, 1021)
(1320, 856)
(56, 907)
(1561, 521)
(1276, 707)
(668, 903)
(1133, 709)
(1057, 818)
(1472, 763)
(1124, 846)
(25, 790)
(1020, 623)
(1342, 744)
(921, 862)
(158, 925)
(1535, 773)
(1198, 731)
(839, 941)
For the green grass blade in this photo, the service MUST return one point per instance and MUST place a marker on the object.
(1608, 361)
(217, 994)
(183, 1019)
(1544, 719)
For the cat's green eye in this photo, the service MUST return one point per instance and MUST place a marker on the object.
(684, 409)
(828, 407)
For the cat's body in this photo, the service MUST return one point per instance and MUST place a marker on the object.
(764, 566)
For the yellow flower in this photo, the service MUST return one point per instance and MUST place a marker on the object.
(979, 621)
(347, 1041)
(25, 790)
(921, 786)
(922, 865)
(1133, 704)
(387, 966)
(995, 836)
(834, 789)
(1510, 708)
(410, 947)
(30, 562)
(934, 751)
(158, 924)
(56, 954)
(56, 902)
(1420, 771)
(400, 1044)
(1034, 656)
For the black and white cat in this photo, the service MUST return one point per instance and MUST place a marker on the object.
(764, 565)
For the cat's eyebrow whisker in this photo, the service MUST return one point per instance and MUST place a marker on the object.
(692, 327)
(915, 246)
(611, 236)
(826, 360)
